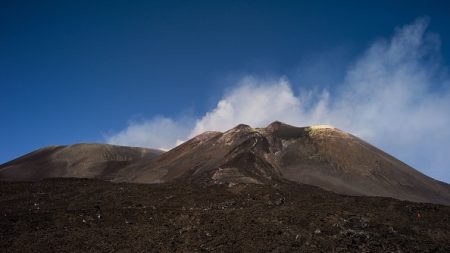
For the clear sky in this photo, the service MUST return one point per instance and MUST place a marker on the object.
(154, 73)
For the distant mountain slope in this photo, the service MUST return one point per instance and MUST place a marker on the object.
(340, 162)
(79, 160)
(318, 155)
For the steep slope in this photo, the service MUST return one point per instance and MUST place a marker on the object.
(334, 160)
(234, 156)
(79, 160)
(319, 155)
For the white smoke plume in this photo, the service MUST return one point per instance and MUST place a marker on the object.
(396, 95)
(159, 132)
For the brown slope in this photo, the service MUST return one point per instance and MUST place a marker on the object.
(79, 160)
(343, 163)
(236, 156)
(320, 156)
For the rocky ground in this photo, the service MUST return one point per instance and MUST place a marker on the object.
(81, 215)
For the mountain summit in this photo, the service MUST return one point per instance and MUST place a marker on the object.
(320, 155)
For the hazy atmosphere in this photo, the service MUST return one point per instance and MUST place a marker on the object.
(156, 74)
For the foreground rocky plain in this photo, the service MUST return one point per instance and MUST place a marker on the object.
(88, 215)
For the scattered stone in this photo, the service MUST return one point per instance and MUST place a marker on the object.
(219, 219)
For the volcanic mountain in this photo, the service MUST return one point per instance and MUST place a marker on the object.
(79, 160)
(321, 156)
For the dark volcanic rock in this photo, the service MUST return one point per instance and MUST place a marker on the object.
(84, 215)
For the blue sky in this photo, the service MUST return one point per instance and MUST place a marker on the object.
(152, 73)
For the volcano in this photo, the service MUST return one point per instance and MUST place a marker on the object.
(275, 189)
(321, 156)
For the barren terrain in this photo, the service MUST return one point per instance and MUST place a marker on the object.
(81, 215)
